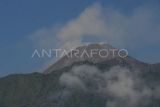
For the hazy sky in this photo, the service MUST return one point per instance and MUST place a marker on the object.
(27, 24)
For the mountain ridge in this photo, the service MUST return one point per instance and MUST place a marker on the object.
(67, 61)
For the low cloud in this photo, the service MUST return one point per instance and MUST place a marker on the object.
(120, 86)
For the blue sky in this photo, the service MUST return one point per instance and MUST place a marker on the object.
(20, 19)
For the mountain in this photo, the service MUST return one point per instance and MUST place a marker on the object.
(100, 50)
(85, 82)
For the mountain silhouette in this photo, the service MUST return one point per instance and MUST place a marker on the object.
(86, 81)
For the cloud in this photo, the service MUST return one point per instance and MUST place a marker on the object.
(119, 85)
(71, 81)
(79, 75)
(108, 24)
(126, 88)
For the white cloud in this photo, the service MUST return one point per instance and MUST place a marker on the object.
(71, 81)
(122, 84)
(121, 87)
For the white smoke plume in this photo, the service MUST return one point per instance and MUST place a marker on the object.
(102, 24)
(105, 23)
